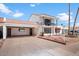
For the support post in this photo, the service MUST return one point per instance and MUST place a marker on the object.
(61, 31)
(54, 30)
(69, 21)
(4, 32)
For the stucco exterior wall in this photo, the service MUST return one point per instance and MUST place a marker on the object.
(36, 19)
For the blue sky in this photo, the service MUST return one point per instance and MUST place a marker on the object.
(23, 11)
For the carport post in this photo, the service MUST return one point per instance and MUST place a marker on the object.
(4, 32)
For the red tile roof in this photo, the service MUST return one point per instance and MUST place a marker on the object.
(16, 21)
(1, 19)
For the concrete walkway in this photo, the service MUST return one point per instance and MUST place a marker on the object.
(32, 46)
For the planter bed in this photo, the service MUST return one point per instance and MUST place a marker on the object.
(59, 39)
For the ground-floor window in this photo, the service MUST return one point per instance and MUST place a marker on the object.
(21, 29)
(47, 30)
(57, 30)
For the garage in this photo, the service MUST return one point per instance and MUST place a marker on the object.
(11, 27)
(19, 31)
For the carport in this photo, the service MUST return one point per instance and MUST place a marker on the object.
(7, 29)
(11, 27)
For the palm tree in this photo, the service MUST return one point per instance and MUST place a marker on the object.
(75, 21)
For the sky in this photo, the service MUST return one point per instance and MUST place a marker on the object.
(23, 11)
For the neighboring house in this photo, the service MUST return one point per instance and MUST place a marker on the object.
(36, 25)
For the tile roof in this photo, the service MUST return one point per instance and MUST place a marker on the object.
(16, 21)
(1, 19)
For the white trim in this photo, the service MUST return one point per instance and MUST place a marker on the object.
(18, 25)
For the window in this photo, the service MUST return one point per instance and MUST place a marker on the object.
(21, 29)
(47, 30)
(57, 30)
(47, 22)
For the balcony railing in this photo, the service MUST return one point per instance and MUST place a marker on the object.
(49, 24)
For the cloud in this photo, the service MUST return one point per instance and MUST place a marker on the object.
(77, 24)
(18, 14)
(64, 16)
(34, 4)
(5, 9)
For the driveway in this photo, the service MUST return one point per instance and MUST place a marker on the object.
(33, 46)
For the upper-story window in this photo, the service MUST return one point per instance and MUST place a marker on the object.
(47, 22)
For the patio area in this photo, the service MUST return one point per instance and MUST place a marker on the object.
(33, 46)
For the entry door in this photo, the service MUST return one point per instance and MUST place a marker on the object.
(31, 31)
(8, 32)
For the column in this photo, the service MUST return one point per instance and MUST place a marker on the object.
(4, 32)
(61, 31)
(54, 30)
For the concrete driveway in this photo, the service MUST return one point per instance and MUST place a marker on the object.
(33, 46)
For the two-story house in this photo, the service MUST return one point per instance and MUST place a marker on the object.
(37, 24)
(47, 24)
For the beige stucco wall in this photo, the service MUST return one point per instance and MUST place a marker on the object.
(36, 19)
(37, 30)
